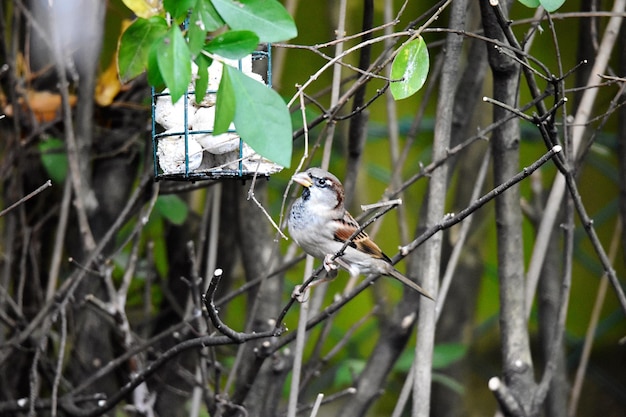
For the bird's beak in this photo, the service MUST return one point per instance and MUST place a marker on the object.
(303, 179)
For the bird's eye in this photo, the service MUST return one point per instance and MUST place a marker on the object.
(321, 182)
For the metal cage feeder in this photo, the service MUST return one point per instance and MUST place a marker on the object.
(184, 147)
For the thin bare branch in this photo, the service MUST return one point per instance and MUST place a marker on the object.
(451, 220)
(26, 198)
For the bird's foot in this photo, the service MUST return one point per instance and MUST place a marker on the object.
(330, 265)
(300, 296)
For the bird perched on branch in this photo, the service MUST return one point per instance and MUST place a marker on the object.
(321, 225)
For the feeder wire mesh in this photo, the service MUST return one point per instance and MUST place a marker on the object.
(185, 149)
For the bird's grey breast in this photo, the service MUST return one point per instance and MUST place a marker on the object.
(306, 228)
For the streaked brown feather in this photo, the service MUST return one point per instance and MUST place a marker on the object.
(361, 241)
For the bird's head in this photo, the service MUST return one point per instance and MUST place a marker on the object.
(321, 189)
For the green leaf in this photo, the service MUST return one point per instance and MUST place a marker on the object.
(172, 208)
(154, 232)
(261, 117)
(447, 353)
(551, 5)
(411, 65)
(347, 371)
(54, 159)
(443, 355)
(449, 382)
(267, 18)
(205, 15)
(533, 4)
(403, 364)
(234, 44)
(175, 63)
(225, 104)
(203, 63)
(196, 34)
(154, 74)
(178, 9)
(135, 45)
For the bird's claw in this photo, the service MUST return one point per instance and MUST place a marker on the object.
(329, 264)
(300, 296)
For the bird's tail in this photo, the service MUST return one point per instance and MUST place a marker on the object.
(397, 275)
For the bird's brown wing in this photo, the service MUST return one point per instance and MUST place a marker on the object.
(361, 241)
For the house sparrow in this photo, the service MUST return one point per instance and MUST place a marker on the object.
(320, 224)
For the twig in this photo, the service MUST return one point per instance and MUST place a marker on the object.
(429, 257)
(451, 220)
(595, 241)
(337, 58)
(323, 315)
(505, 106)
(458, 246)
(506, 398)
(193, 308)
(427, 170)
(578, 129)
(26, 198)
(85, 199)
(264, 211)
(19, 405)
(59, 368)
(579, 379)
(67, 402)
(305, 130)
(212, 210)
(317, 404)
(367, 207)
(233, 335)
(230, 336)
(256, 281)
(412, 35)
(335, 86)
(318, 363)
(345, 338)
(330, 398)
(57, 251)
(202, 236)
(405, 392)
(21, 280)
(360, 109)
(393, 132)
(515, 48)
(33, 377)
(214, 230)
(296, 372)
(556, 340)
(67, 288)
(314, 360)
(147, 286)
(615, 103)
(587, 222)
(569, 15)
(344, 38)
(113, 364)
(142, 218)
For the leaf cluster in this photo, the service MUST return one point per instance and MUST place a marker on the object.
(166, 39)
